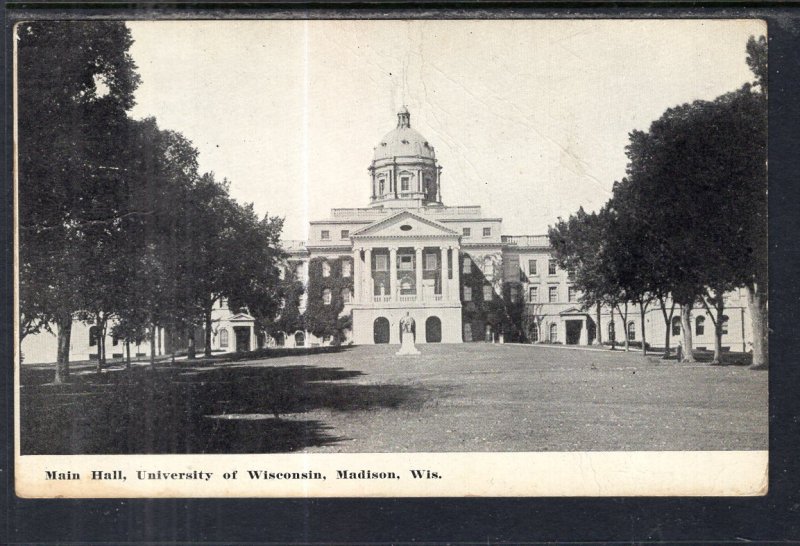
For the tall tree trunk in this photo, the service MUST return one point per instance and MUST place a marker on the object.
(158, 345)
(64, 326)
(624, 317)
(612, 332)
(190, 350)
(172, 343)
(719, 307)
(152, 344)
(757, 305)
(101, 342)
(668, 323)
(127, 354)
(598, 338)
(686, 330)
(642, 311)
(207, 317)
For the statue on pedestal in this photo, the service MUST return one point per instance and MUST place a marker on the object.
(407, 336)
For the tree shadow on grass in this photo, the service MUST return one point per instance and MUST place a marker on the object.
(233, 409)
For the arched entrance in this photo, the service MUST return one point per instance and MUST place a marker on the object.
(433, 330)
(299, 339)
(380, 330)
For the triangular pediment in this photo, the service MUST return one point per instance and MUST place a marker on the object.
(240, 317)
(573, 311)
(405, 224)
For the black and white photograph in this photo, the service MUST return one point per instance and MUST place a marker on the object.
(391, 257)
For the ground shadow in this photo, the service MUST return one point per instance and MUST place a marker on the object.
(237, 408)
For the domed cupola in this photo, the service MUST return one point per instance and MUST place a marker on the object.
(404, 170)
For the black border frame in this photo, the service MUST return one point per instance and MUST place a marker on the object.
(773, 518)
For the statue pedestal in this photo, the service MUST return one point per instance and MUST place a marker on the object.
(407, 346)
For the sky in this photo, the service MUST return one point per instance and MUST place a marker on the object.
(529, 118)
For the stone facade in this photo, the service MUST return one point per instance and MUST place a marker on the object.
(453, 270)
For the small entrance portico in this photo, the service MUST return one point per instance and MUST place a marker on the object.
(575, 326)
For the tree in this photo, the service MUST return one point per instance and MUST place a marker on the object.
(700, 175)
(254, 282)
(75, 82)
(585, 244)
(231, 254)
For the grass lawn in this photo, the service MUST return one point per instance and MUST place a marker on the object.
(469, 397)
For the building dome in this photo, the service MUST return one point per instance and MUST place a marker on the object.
(403, 141)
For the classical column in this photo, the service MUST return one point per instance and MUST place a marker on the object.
(584, 339)
(368, 288)
(393, 291)
(455, 282)
(443, 282)
(357, 288)
(418, 250)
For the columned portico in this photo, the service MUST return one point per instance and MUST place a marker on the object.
(406, 269)
(445, 281)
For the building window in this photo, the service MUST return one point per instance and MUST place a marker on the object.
(631, 331)
(299, 271)
(430, 262)
(534, 332)
(467, 265)
(552, 294)
(347, 267)
(513, 293)
(488, 266)
(487, 232)
(571, 293)
(223, 338)
(381, 262)
(345, 234)
(94, 335)
(326, 296)
(533, 294)
(551, 267)
(346, 295)
(700, 326)
(612, 332)
(466, 232)
(406, 262)
(325, 234)
(488, 293)
(467, 293)
(724, 325)
(326, 269)
(676, 326)
(404, 183)
(553, 333)
(531, 267)
(114, 341)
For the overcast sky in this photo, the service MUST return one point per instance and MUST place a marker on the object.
(529, 119)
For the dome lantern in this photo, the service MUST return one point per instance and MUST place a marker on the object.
(403, 118)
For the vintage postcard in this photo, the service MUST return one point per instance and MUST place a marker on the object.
(364, 258)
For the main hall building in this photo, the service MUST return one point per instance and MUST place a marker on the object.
(452, 269)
